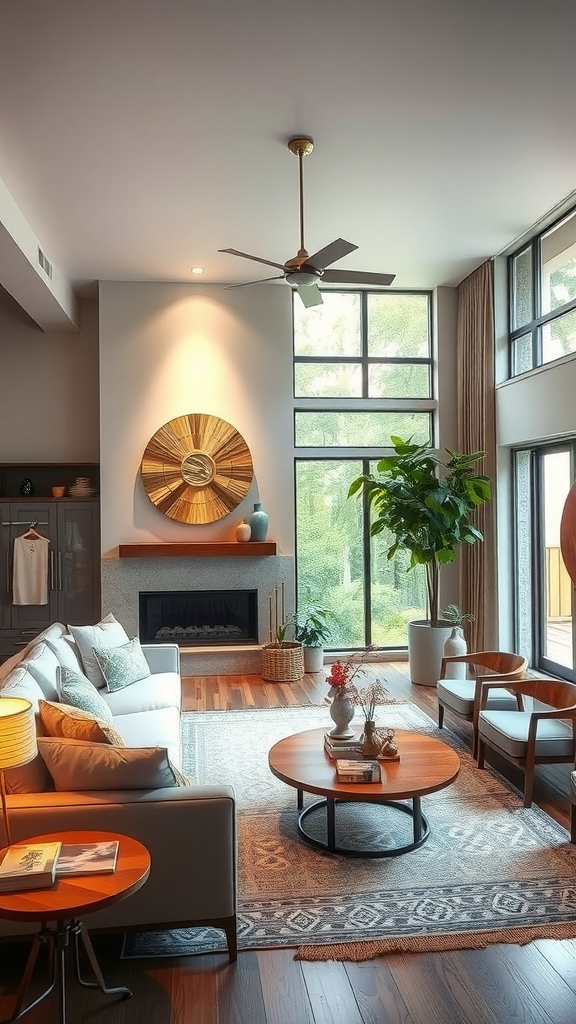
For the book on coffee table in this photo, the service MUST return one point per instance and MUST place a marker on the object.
(29, 866)
(87, 858)
(357, 771)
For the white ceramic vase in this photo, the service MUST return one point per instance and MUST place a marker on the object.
(342, 711)
(455, 646)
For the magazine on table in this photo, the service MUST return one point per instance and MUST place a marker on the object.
(29, 866)
(87, 858)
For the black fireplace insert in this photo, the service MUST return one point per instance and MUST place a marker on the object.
(199, 617)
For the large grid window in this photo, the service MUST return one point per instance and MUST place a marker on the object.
(542, 284)
(362, 372)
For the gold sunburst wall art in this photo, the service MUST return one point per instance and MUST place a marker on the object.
(196, 468)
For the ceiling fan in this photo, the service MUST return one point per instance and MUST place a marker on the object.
(303, 272)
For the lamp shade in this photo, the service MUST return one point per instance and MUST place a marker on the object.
(17, 732)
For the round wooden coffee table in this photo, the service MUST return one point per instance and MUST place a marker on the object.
(64, 904)
(426, 765)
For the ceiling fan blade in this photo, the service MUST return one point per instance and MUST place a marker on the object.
(356, 277)
(261, 280)
(310, 295)
(257, 259)
(330, 253)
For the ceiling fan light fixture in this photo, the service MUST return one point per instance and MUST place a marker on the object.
(301, 278)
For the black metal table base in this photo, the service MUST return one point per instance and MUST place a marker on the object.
(57, 941)
(420, 827)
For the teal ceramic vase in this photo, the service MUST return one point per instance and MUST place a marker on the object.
(258, 522)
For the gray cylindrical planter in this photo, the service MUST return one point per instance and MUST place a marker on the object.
(313, 659)
(425, 650)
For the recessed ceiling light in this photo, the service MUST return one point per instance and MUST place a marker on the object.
(197, 270)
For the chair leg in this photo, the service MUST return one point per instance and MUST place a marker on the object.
(481, 748)
(440, 715)
(528, 787)
(573, 823)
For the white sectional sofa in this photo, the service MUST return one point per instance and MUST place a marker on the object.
(189, 830)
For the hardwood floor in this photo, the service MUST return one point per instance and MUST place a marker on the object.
(503, 984)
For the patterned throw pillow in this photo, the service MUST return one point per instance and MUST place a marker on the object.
(77, 690)
(122, 666)
(74, 724)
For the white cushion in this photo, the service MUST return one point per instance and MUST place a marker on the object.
(66, 652)
(458, 694)
(21, 683)
(508, 731)
(160, 728)
(42, 663)
(108, 633)
(162, 690)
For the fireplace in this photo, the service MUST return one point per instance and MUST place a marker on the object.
(198, 618)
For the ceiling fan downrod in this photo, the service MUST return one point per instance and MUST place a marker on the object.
(300, 147)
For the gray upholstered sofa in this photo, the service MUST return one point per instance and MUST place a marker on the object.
(189, 830)
(573, 807)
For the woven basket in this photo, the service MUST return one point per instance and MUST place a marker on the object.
(282, 663)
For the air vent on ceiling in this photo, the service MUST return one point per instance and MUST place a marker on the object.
(44, 263)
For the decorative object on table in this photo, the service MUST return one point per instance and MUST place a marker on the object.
(258, 523)
(312, 629)
(196, 468)
(29, 866)
(342, 684)
(430, 516)
(26, 487)
(243, 532)
(358, 771)
(455, 645)
(58, 491)
(17, 743)
(83, 488)
(342, 710)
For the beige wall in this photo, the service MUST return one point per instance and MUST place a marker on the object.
(169, 349)
(49, 388)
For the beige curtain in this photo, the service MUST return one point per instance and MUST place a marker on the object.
(476, 432)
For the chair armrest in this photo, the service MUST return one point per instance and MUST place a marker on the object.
(484, 684)
(162, 657)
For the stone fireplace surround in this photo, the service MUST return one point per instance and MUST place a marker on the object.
(124, 578)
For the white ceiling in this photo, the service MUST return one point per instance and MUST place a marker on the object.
(138, 137)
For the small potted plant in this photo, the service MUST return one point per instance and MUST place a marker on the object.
(312, 630)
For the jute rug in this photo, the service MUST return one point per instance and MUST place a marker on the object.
(491, 870)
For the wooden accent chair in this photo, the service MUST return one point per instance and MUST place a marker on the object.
(461, 697)
(544, 735)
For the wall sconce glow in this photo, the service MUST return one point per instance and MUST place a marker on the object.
(197, 270)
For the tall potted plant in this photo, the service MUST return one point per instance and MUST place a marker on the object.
(427, 504)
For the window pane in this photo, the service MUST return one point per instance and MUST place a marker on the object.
(522, 288)
(328, 380)
(523, 537)
(398, 325)
(359, 429)
(398, 594)
(557, 613)
(332, 329)
(522, 354)
(558, 264)
(329, 543)
(559, 337)
(394, 380)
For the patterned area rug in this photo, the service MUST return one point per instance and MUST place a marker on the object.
(491, 870)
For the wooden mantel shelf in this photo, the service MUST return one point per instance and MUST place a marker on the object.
(231, 549)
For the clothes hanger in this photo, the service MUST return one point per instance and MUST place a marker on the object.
(31, 532)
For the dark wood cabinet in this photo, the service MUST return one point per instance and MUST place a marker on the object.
(72, 528)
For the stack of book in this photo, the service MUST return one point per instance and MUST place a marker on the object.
(357, 771)
(29, 866)
(342, 748)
